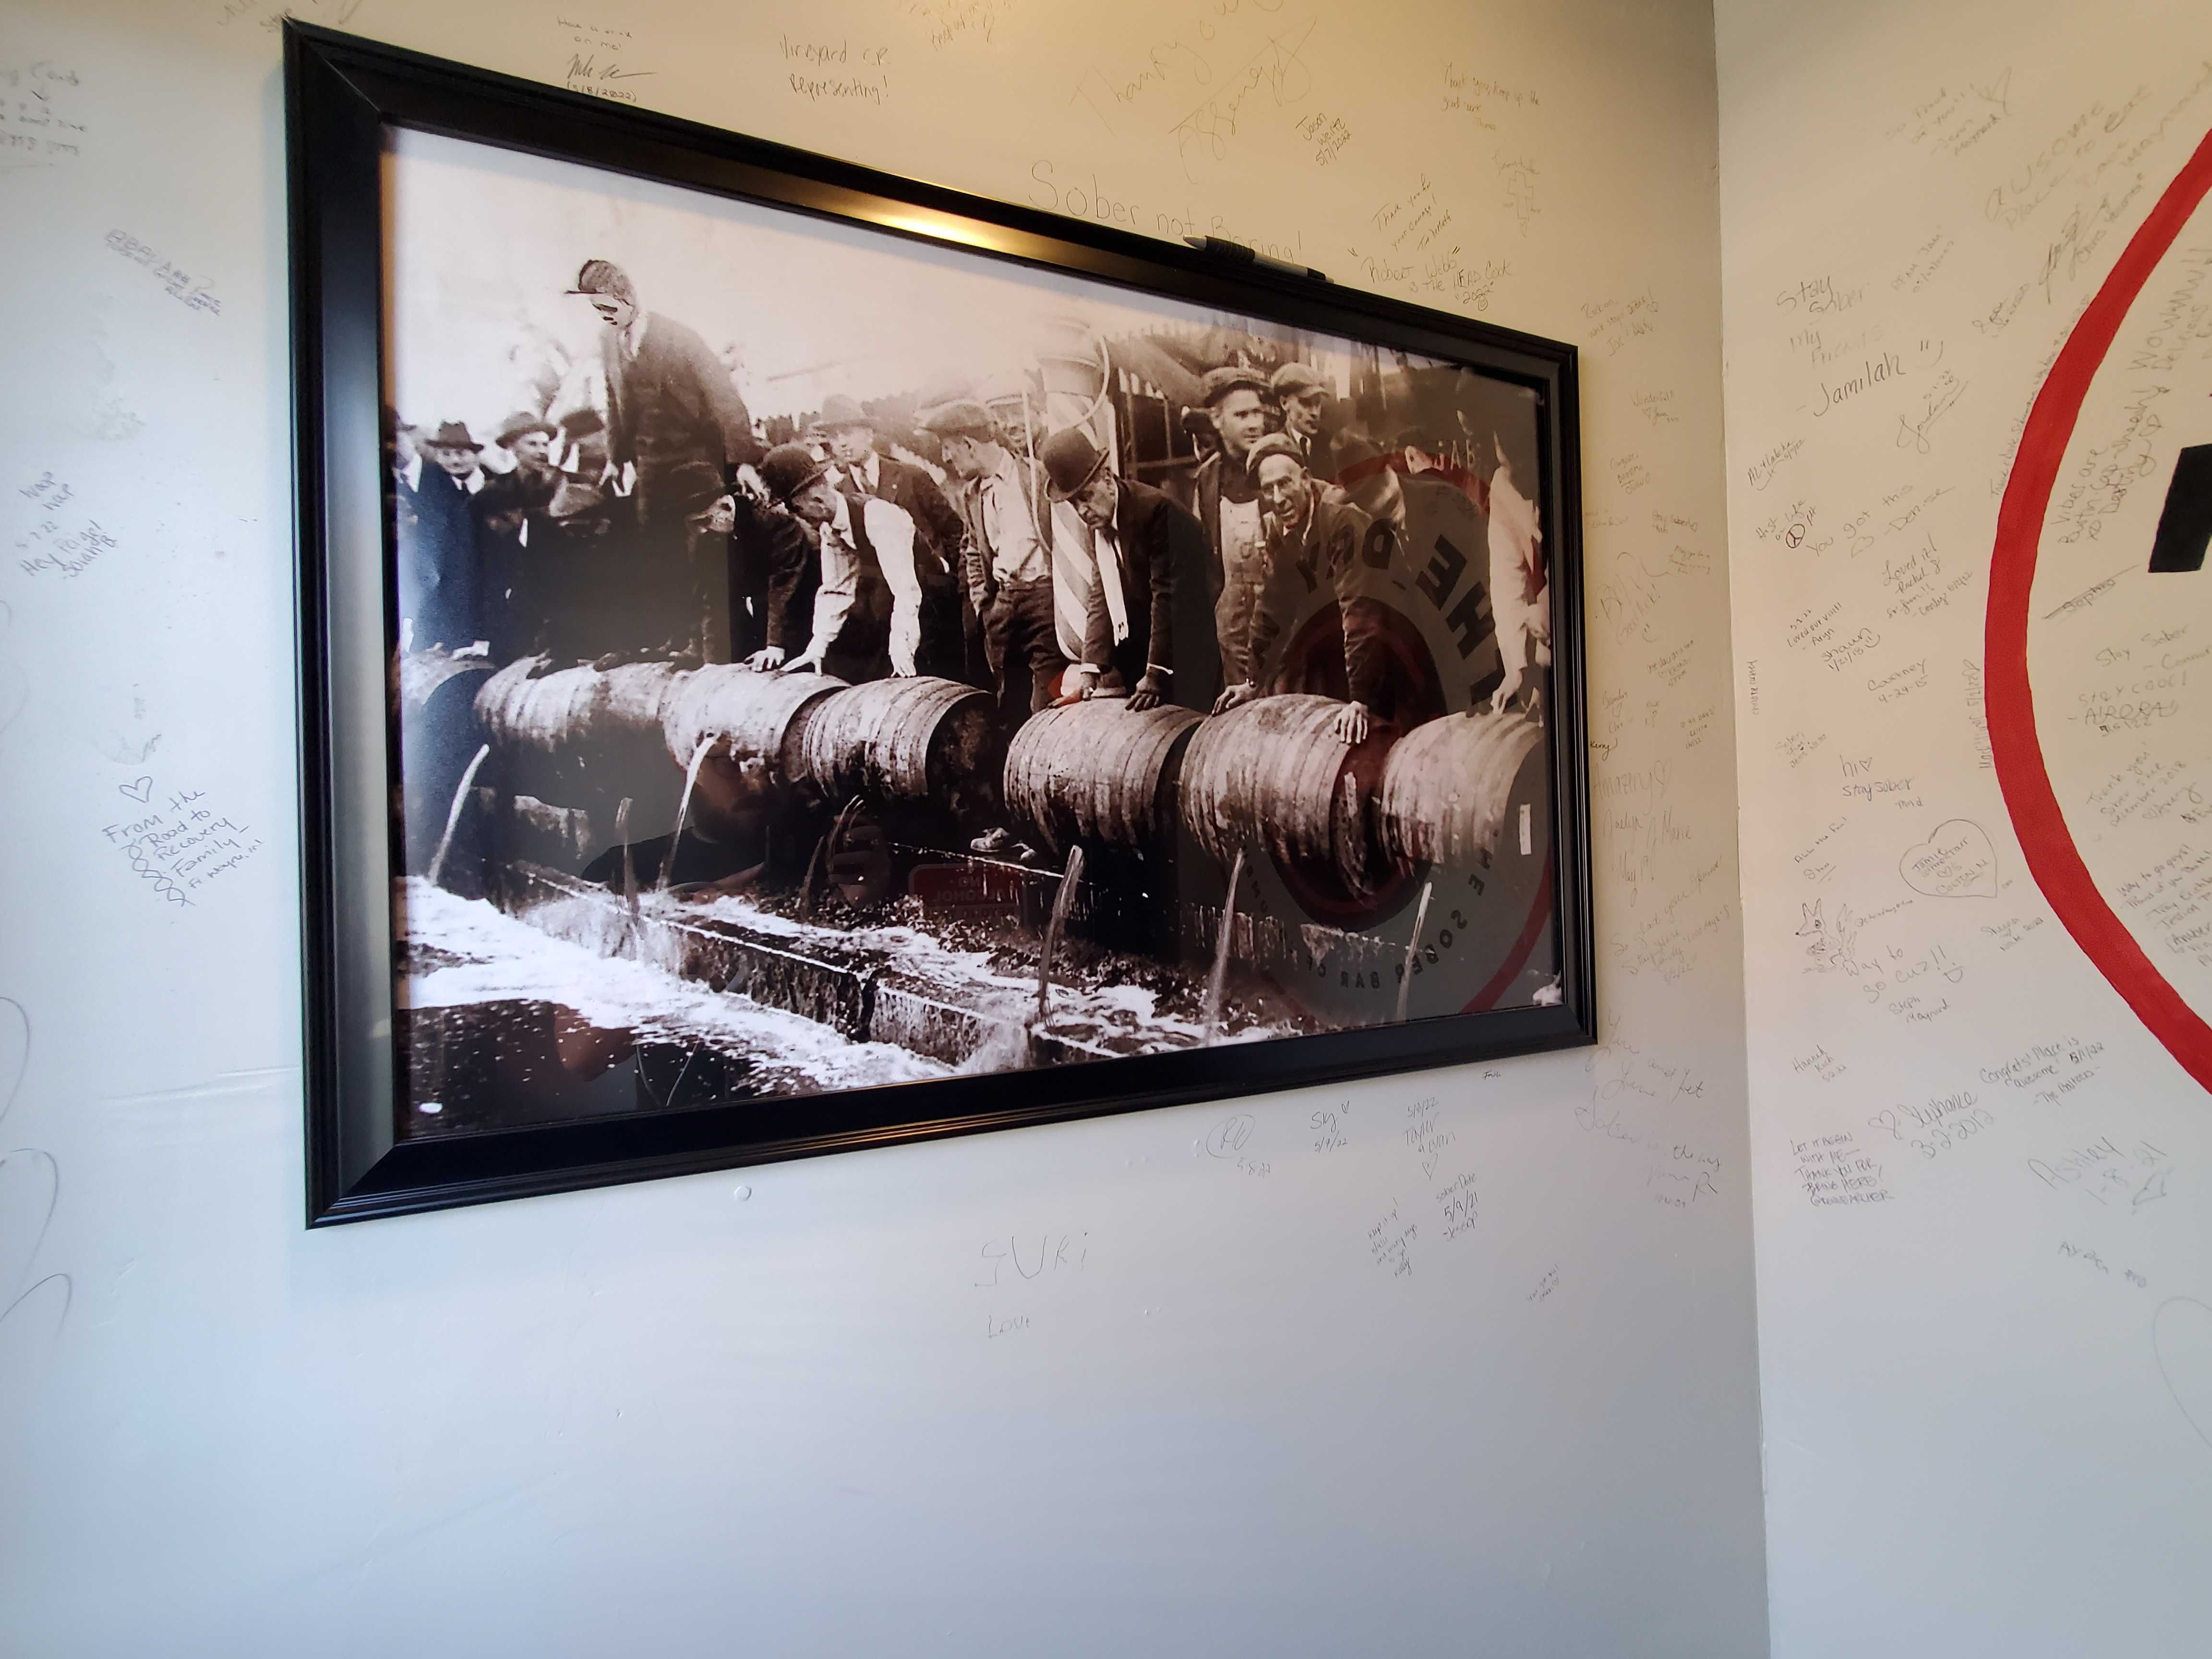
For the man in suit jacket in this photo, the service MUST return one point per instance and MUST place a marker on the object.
(867, 608)
(1317, 539)
(439, 584)
(672, 408)
(1150, 629)
(952, 632)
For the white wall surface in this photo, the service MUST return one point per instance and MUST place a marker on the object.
(1986, 1347)
(673, 1418)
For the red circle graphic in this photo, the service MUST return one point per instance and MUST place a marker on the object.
(2045, 839)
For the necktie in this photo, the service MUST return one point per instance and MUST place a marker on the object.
(1109, 582)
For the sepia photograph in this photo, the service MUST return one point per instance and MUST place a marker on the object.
(825, 660)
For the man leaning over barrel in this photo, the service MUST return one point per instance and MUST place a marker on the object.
(1227, 499)
(1316, 538)
(867, 610)
(1150, 631)
(862, 470)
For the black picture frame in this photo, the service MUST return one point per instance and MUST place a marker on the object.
(341, 92)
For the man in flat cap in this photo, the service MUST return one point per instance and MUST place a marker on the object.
(1227, 500)
(670, 405)
(1317, 539)
(1150, 629)
(1029, 571)
(867, 610)
(949, 625)
(1302, 396)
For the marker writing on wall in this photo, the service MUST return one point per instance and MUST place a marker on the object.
(1222, 247)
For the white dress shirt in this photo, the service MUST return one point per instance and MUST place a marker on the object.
(890, 533)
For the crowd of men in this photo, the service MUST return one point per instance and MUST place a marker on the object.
(668, 528)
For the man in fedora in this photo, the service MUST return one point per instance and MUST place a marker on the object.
(1029, 573)
(952, 633)
(438, 575)
(528, 439)
(457, 454)
(1150, 627)
(866, 470)
(867, 609)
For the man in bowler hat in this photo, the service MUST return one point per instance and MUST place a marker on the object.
(1150, 626)
(868, 607)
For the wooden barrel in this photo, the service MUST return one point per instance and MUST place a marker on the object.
(1272, 775)
(439, 733)
(1449, 787)
(430, 680)
(900, 739)
(579, 737)
(758, 716)
(1098, 770)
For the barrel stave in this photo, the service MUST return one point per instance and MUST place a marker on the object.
(1447, 785)
(1096, 771)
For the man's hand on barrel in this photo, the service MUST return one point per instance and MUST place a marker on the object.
(766, 660)
(1243, 691)
(703, 892)
(1351, 723)
(1150, 692)
(808, 662)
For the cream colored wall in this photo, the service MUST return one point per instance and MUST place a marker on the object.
(1982, 1218)
(662, 1418)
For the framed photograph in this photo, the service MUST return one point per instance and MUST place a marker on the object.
(794, 660)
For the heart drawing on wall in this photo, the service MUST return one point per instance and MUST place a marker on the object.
(139, 789)
(2181, 1337)
(1956, 861)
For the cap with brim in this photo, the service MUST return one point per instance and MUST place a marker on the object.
(1220, 382)
(838, 409)
(1295, 379)
(1273, 444)
(452, 434)
(574, 497)
(521, 424)
(606, 278)
(962, 415)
